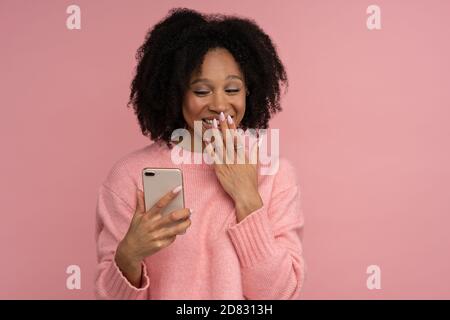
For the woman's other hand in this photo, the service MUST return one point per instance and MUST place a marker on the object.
(235, 172)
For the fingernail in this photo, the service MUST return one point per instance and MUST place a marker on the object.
(215, 123)
(229, 119)
(191, 211)
(221, 116)
(176, 190)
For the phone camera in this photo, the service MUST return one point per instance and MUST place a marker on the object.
(149, 173)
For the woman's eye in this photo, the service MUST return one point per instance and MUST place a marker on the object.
(201, 92)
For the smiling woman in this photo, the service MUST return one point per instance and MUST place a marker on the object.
(244, 240)
(217, 88)
(207, 64)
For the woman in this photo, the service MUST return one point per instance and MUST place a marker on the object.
(243, 239)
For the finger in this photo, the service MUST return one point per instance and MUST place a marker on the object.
(229, 147)
(218, 142)
(178, 215)
(224, 128)
(240, 145)
(162, 243)
(175, 230)
(181, 227)
(213, 153)
(165, 200)
(231, 123)
(216, 149)
(227, 136)
(234, 133)
(223, 124)
(254, 150)
(140, 202)
(170, 219)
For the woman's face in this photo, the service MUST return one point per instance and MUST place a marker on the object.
(218, 87)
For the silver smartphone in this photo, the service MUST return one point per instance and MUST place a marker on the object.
(159, 181)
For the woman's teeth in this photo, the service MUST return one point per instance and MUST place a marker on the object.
(208, 121)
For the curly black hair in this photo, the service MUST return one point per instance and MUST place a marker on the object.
(175, 48)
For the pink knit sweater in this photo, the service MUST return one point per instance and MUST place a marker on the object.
(217, 258)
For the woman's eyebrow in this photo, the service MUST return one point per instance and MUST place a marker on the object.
(231, 76)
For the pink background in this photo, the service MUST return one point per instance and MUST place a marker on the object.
(366, 121)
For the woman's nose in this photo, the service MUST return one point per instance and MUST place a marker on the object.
(219, 103)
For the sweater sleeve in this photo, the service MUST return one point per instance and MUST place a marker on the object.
(268, 243)
(113, 217)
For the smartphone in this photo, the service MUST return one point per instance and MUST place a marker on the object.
(159, 181)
